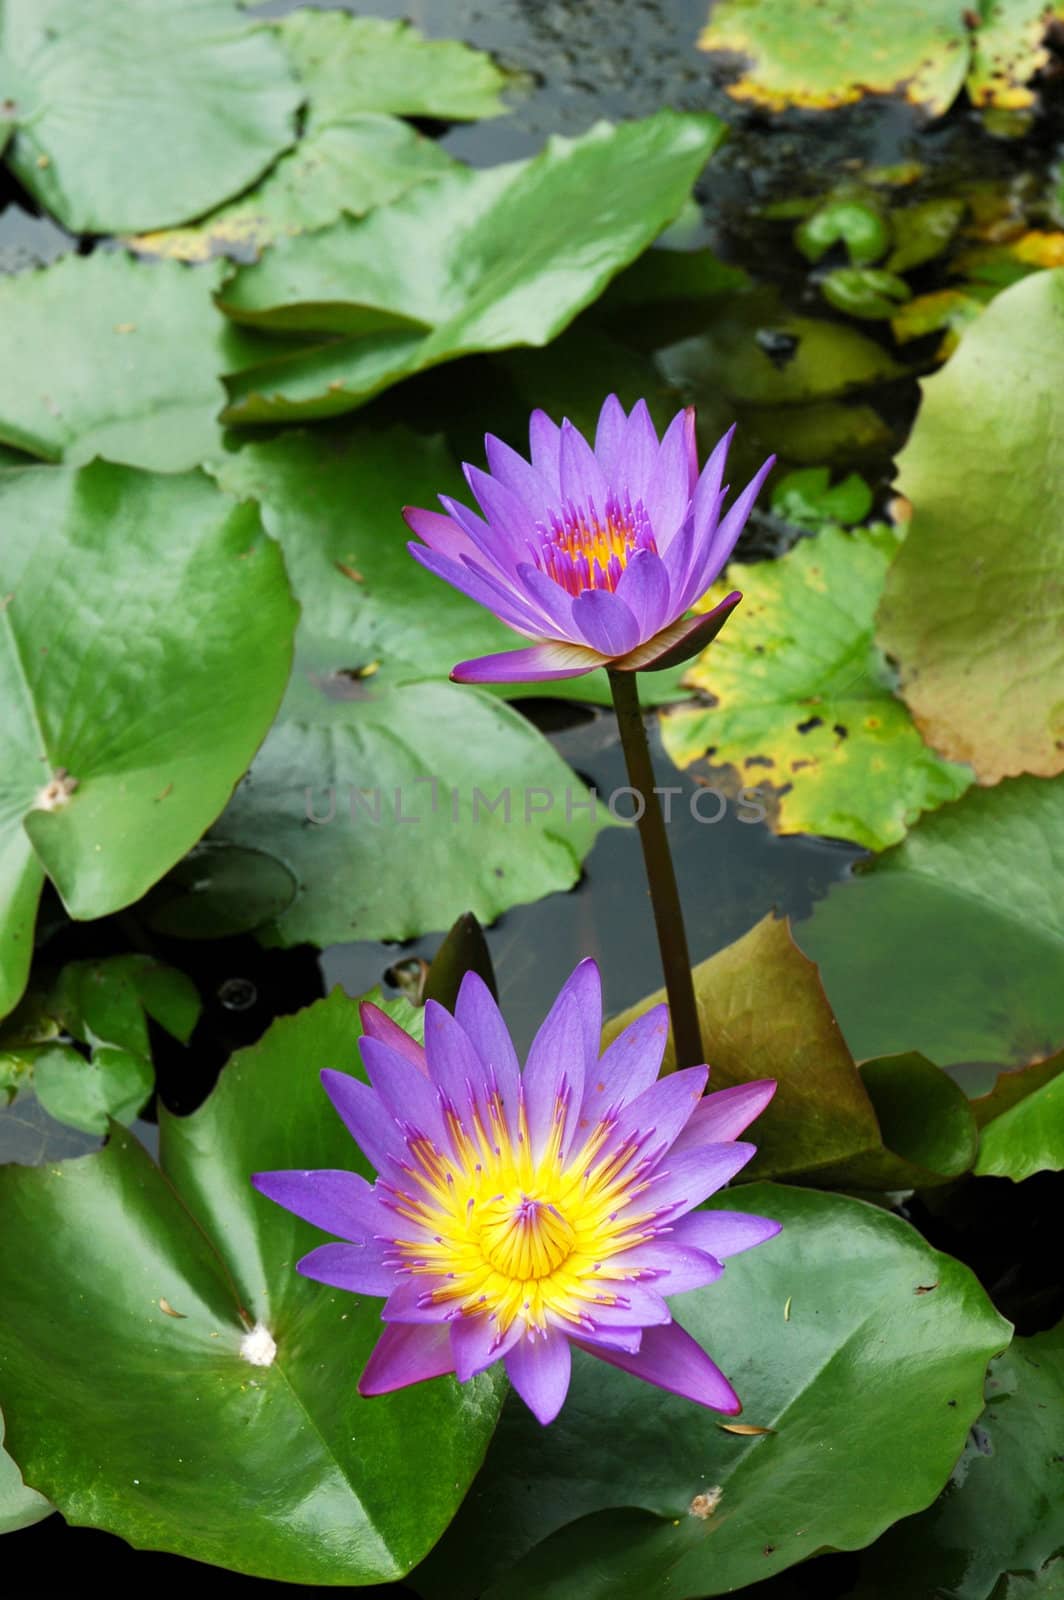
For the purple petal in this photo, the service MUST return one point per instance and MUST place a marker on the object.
(455, 1066)
(477, 1012)
(668, 492)
(707, 495)
(544, 438)
(564, 1047)
(680, 640)
(724, 1233)
(476, 1344)
(407, 1092)
(345, 1266)
(723, 1116)
(644, 589)
(636, 1305)
(338, 1202)
(377, 1024)
(511, 520)
(656, 1116)
(404, 1355)
(723, 541)
(440, 533)
(549, 659)
(604, 622)
(684, 1181)
(473, 582)
(630, 1065)
(549, 597)
(639, 452)
(404, 1304)
(366, 1119)
(671, 1359)
(515, 474)
(583, 481)
(674, 1267)
(539, 1370)
(609, 438)
(614, 1338)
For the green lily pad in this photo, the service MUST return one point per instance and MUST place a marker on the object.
(375, 757)
(854, 220)
(1002, 1510)
(434, 275)
(952, 943)
(218, 890)
(19, 1507)
(866, 292)
(802, 696)
(338, 169)
(1009, 50)
(274, 1466)
(897, 1123)
(867, 1386)
(105, 356)
(144, 114)
(1028, 1137)
(807, 498)
(972, 616)
(119, 758)
(349, 65)
(87, 1094)
(923, 231)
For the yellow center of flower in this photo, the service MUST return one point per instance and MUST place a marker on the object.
(583, 549)
(506, 1234)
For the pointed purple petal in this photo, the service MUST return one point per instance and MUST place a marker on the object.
(636, 1305)
(515, 474)
(674, 1267)
(724, 1233)
(549, 659)
(472, 581)
(583, 481)
(476, 1344)
(455, 1066)
(341, 1203)
(404, 1355)
(671, 1359)
(613, 1338)
(366, 1119)
(668, 491)
(630, 1065)
(379, 1025)
(482, 1020)
(656, 1116)
(706, 498)
(407, 1091)
(440, 533)
(567, 1041)
(644, 589)
(609, 438)
(544, 438)
(723, 1116)
(345, 1266)
(604, 622)
(720, 546)
(684, 1181)
(404, 1304)
(549, 598)
(539, 1370)
(680, 641)
(640, 451)
(511, 520)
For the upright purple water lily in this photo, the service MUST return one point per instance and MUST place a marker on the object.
(518, 1213)
(596, 554)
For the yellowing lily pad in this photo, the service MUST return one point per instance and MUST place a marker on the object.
(802, 698)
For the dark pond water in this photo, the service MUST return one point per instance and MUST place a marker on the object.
(617, 59)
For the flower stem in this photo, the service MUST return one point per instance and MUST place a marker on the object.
(661, 875)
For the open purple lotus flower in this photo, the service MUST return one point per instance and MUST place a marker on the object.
(596, 554)
(518, 1213)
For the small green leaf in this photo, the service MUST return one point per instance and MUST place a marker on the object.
(1026, 1139)
(143, 114)
(1002, 1511)
(919, 948)
(801, 697)
(465, 949)
(963, 591)
(279, 1470)
(856, 222)
(923, 231)
(865, 292)
(218, 890)
(107, 788)
(807, 498)
(87, 1094)
(869, 1388)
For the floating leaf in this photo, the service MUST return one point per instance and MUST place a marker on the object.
(19, 1507)
(870, 1390)
(807, 498)
(1028, 1137)
(466, 802)
(104, 356)
(349, 65)
(866, 292)
(277, 1469)
(342, 168)
(218, 890)
(1009, 49)
(853, 220)
(1002, 1510)
(434, 276)
(106, 788)
(87, 1094)
(802, 696)
(923, 231)
(953, 942)
(143, 114)
(971, 613)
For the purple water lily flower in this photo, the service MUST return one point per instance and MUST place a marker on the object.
(596, 554)
(518, 1213)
